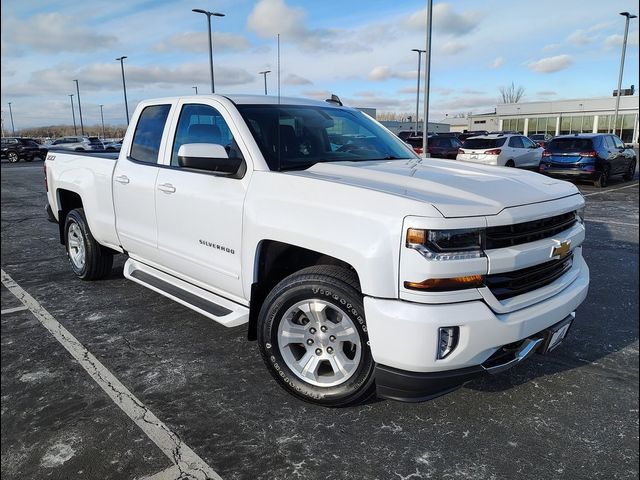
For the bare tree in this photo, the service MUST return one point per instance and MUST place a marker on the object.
(511, 93)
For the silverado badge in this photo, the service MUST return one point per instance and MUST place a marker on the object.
(562, 250)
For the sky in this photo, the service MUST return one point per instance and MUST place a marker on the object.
(357, 49)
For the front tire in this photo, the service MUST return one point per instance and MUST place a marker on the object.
(631, 171)
(88, 259)
(13, 157)
(313, 337)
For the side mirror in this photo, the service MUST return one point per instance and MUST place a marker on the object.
(210, 157)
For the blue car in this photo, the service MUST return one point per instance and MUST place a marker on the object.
(588, 156)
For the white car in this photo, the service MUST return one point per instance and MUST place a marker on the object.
(504, 150)
(358, 267)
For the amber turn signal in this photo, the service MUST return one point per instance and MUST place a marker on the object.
(445, 284)
(416, 236)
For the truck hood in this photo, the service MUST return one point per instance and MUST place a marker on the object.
(454, 188)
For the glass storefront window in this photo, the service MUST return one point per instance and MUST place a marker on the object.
(565, 125)
(587, 124)
(533, 126)
(519, 125)
(626, 122)
(603, 123)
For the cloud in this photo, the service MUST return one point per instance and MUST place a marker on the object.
(199, 42)
(580, 37)
(107, 77)
(293, 79)
(551, 47)
(466, 102)
(54, 33)
(382, 72)
(615, 41)
(546, 93)
(445, 20)
(498, 62)
(452, 47)
(550, 64)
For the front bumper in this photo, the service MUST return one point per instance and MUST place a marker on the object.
(404, 335)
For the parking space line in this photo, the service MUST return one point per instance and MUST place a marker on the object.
(610, 190)
(171, 473)
(187, 464)
(14, 309)
(612, 222)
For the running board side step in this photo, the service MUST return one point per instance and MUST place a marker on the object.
(215, 307)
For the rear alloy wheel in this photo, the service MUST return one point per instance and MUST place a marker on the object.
(631, 171)
(313, 337)
(603, 179)
(88, 259)
(13, 157)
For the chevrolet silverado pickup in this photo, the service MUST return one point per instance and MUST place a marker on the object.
(359, 267)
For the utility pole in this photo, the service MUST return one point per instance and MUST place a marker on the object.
(13, 128)
(264, 74)
(628, 16)
(427, 73)
(420, 52)
(124, 86)
(102, 118)
(73, 112)
(196, 89)
(209, 15)
(79, 107)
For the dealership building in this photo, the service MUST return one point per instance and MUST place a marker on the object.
(558, 117)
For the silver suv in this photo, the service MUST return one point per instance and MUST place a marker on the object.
(78, 144)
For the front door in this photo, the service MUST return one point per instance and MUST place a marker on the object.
(199, 212)
(134, 180)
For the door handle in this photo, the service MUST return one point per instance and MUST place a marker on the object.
(122, 179)
(166, 188)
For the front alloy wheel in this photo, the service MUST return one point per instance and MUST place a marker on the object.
(13, 157)
(313, 337)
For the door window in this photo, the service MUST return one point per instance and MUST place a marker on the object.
(617, 142)
(148, 134)
(528, 143)
(516, 142)
(203, 124)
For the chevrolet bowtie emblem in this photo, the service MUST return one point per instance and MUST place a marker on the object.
(561, 250)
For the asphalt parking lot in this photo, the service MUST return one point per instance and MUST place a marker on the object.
(572, 414)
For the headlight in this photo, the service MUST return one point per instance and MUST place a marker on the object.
(459, 244)
(580, 215)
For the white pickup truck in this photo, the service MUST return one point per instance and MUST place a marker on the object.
(359, 267)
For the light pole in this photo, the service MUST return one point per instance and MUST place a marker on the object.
(196, 89)
(73, 112)
(264, 74)
(13, 128)
(420, 52)
(79, 107)
(628, 16)
(209, 15)
(124, 86)
(102, 119)
(427, 68)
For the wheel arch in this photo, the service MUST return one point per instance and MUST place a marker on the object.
(274, 261)
(67, 200)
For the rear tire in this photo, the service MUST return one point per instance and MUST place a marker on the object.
(313, 337)
(631, 171)
(603, 179)
(13, 157)
(88, 259)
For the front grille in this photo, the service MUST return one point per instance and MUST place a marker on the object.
(519, 233)
(509, 284)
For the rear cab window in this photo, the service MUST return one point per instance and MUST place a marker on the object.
(148, 134)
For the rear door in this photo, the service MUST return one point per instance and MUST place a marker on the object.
(200, 212)
(134, 180)
(518, 153)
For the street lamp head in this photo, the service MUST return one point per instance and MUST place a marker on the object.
(199, 10)
(216, 14)
(119, 59)
(628, 15)
(418, 50)
(264, 72)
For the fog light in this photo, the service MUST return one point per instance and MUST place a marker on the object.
(447, 340)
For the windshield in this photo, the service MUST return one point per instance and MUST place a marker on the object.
(483, 143)
(306, 135)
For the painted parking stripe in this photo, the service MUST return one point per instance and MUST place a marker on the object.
(171, 473)
(188, 464)
(13, 310)
(610, 190)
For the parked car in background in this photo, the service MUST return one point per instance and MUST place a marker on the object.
(449, 134)
(541, 139)
(588, 156)
(77, 143)
(463, 136)
(443, 147)
(27, 149)
(408, 133)
(114, 146)
(502, 150)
